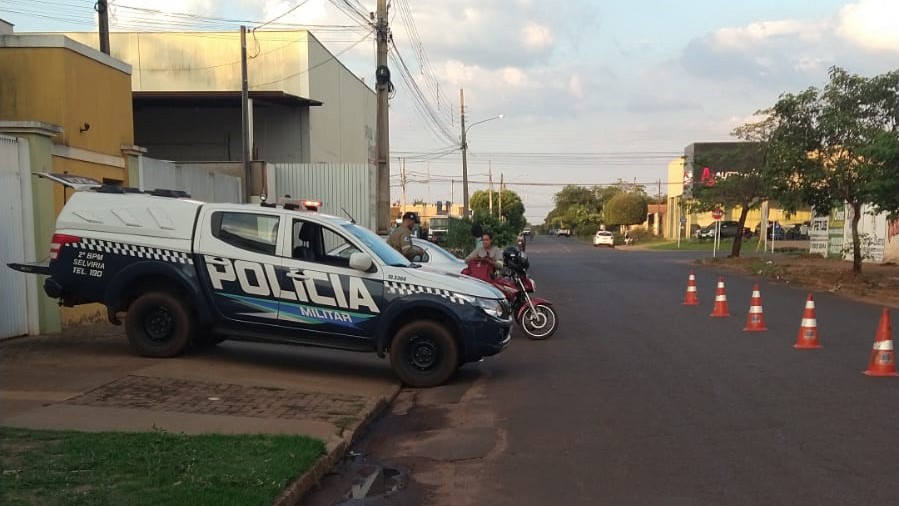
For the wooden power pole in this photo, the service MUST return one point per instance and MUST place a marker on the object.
(382, 75)
(490, 186)
(500, 216)
(245, 117)
(102, 8)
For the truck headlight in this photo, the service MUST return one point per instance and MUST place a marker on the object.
(493, 307)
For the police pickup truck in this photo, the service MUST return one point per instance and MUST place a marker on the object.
(188, 272)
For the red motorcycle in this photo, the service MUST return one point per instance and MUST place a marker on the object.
(536, 317)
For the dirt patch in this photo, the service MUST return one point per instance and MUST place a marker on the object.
(877, 284)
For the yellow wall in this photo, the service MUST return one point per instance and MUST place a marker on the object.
(425, 211)
(68, 89)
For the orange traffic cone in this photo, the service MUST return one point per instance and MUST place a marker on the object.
(883, 360)
(692, 297)
(755, 320)
(720, 310)
(808, 329)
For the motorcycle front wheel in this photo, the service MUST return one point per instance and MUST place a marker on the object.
(539, 323)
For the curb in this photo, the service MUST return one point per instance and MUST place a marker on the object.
(301, 486)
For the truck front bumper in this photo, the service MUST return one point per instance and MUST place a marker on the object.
(489, 336)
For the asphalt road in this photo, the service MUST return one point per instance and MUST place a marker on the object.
(638, 400)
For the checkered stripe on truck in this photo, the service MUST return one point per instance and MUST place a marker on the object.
(133, 250)
(397, 288)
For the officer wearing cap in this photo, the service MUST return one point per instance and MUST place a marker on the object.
(401, 237)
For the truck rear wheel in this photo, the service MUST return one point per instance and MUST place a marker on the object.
(424, 354)
(158, 325)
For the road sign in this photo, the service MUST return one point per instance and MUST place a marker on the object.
(717, 214)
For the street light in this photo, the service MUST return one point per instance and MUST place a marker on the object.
(465, 210)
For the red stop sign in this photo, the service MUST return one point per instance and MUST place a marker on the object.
(717, 214)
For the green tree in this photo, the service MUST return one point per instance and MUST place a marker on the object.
(626, 209)
(840, 144)
(577, 208)
(747, 188)
(513, 207)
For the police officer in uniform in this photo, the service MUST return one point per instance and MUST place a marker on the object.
(401, 237)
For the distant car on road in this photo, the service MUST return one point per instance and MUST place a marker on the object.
(526, 232)
(604, 238)
(563, 232)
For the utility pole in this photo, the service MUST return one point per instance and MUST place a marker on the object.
(403, 184)
(382, 75)
(464, 155)
(245, 117)
(500, 197)
(490, 187)
(102, 9)
(452, 192)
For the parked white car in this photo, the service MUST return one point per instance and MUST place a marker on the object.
(604, 238)
(435, 257)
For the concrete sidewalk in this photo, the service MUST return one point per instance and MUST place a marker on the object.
(89, 379)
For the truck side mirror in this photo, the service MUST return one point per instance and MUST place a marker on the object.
(360, 261)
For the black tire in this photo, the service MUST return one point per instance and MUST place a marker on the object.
(423, 354)
(543, 325)
(159, 324)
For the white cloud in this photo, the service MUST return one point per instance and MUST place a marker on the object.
(861, 37)
(536, 36)
(871, 24)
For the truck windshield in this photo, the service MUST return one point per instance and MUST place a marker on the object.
(379, 246)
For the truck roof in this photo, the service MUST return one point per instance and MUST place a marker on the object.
(155, 216)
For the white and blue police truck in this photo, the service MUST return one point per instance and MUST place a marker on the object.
(185, 272)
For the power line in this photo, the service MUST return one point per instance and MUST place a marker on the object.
(432, 119)
(313, 67)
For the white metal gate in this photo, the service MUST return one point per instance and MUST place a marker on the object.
(340, 187)
(18, 292)
(200, 183)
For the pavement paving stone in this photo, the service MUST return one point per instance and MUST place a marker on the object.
(167, 394)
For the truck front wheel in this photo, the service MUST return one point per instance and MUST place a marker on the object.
(158, 325)
(424, 354)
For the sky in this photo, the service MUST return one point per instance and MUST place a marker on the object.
(591, 92)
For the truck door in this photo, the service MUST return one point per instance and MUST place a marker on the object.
(321, 292)
(238, 263)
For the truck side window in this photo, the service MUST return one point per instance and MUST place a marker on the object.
(249, 231)
(314, 243)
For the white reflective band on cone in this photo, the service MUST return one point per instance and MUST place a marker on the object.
(721, 298)
(755, 309)
(883, 346)
(720, 285)
(810, 304)
(691, 288)
(756, 294)
(809, 322)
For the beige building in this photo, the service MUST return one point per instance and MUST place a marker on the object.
(307, 107)
(679, 216)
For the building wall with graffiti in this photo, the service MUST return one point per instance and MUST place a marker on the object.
(831, 235)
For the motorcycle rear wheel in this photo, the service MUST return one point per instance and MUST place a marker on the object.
(540, 323)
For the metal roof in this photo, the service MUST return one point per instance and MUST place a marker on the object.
(195, 98)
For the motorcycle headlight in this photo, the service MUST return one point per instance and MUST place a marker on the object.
(493, 307)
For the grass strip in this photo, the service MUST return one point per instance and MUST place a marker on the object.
(149, 468)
